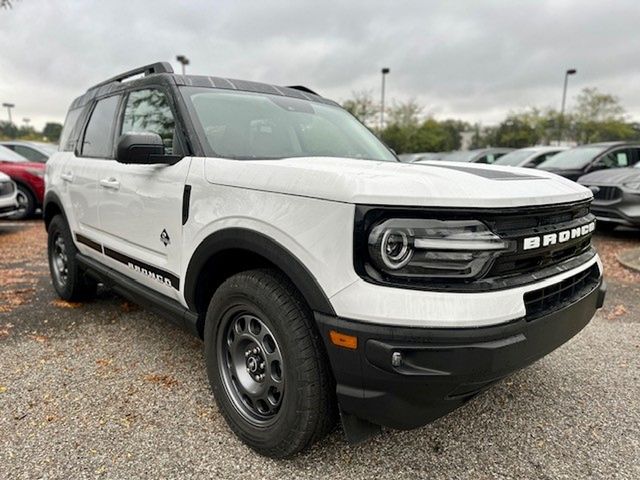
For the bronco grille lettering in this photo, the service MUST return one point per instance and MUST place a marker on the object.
(541, 241)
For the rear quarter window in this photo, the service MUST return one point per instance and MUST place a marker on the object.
(67, 140)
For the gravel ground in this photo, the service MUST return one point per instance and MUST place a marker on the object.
(108, 390)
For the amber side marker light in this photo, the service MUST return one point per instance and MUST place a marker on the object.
(343, 340)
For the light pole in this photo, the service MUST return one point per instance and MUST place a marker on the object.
(571, 71)
(9, 106)
(184, 61)
(385, 71)
(26, 121)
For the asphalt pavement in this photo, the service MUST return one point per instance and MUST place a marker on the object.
(107, 390)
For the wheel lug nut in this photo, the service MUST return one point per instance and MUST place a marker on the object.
(255, 350)
(262, 365)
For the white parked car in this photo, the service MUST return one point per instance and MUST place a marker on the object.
(32, 151)
(8, 196)
(323, 275)
(529, 157)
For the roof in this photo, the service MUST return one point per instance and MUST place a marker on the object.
(163, 72)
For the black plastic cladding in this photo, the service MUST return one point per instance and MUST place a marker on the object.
(368, 215)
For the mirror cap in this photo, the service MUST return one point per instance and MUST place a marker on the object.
(142, 148)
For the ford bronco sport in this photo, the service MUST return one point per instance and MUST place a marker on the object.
(325, 277)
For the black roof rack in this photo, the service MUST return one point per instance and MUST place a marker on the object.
(158, 67)
(302, 88)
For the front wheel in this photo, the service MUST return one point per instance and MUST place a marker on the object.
(266, 364)
(68, 279)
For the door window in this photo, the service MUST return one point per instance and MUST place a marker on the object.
(149, 111)
(615, 159)
(29, 153)
(98, 137)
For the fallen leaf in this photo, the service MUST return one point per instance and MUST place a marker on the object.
(58, 302)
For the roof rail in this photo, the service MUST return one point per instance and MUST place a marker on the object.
(158, 67)
(302, 88)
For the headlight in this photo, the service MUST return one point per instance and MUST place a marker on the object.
(635, 186)
(36, 171)
(413, 248)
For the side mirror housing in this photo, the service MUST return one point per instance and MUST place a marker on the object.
(143, 148)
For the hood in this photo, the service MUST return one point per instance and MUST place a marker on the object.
(570, 173)
(393, 183)
(4, 177)
(611, 176)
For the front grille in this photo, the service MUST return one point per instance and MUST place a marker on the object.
(554, 297)
(538, 222)
(6, 188)
(607, 193)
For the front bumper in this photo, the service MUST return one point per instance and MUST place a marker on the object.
(441, 368)
(624, 210)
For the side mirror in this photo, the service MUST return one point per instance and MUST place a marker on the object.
(143, 148)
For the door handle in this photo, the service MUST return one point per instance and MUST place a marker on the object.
(67, 176)
(111, 183)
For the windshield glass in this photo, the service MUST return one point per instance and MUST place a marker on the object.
(10, 155)
(244, 125)
(514, 158)
(574, 158)
(462, 156)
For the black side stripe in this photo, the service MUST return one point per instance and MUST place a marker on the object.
(155, 273)
(88, 242)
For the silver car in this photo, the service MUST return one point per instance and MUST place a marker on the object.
(529, 157)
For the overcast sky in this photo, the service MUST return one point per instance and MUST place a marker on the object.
(465, 59)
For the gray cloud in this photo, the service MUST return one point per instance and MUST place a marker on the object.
(468, 59)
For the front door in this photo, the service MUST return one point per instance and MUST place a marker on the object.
(140, 206)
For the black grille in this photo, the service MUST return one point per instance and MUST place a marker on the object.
(538, 222)
(554, 297)
(6, 188)
(607, 193)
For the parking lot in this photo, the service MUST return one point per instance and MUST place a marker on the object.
(108, 390)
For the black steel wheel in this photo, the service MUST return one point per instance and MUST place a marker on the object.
(251, 366)
(68, 279)
(267, 365)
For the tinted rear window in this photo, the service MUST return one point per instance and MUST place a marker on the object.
(98, 138)
(67, 141)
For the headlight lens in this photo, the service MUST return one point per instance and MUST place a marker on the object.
(414, 248)
(632, 186)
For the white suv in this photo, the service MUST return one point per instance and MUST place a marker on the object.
(324, 276)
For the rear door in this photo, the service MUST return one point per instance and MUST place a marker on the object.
(140, 206)
(80, 170)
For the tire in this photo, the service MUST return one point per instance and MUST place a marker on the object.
(280, 418)
(27, 204)
(68, 279)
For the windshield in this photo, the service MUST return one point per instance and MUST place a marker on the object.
(244, 125)
(514, 158)
(574, 158)
(10, 155)
(462, 156)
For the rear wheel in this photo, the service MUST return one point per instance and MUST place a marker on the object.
(69, 281)
(26, 204)
(266, 364)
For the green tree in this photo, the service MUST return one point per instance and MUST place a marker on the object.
(599, 117)
(52, 131)
(362, 106)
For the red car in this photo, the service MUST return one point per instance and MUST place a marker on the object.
(29, 178)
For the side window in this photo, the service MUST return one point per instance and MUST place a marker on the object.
(98, 137)
(615, 159)
(30, 153)
(485, 159)
(69, 127)
(149, 111)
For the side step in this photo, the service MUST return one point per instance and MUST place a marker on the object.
(138, 293)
